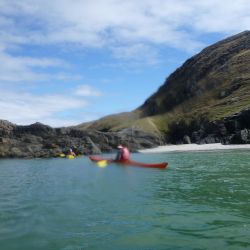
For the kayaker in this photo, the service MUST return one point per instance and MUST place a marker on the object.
(71, 152)
(123, 153)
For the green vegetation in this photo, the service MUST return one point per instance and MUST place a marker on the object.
(212, 85)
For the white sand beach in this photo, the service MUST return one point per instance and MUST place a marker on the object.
(193, 147)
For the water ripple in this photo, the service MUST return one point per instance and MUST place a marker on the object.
(200, 202)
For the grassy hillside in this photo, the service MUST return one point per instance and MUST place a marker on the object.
(214, 84)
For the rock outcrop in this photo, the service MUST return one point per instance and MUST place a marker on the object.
(206, 100)
(201, 100)
(217, 72)
(231, 130)
(39, 140)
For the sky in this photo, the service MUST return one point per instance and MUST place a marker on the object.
(64, 62)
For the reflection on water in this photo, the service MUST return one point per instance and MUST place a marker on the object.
(200, 202)
(207, 198)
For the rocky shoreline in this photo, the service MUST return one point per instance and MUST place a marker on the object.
(196, 104)
(231, 130)
(41, 141)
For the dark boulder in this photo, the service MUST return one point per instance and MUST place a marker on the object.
(39, 140)
(241, 137)
(186, 139)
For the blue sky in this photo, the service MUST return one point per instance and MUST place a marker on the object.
(64, 62)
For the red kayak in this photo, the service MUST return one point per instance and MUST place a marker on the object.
(129, 162)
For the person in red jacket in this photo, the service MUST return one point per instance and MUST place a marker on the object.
(123, 154)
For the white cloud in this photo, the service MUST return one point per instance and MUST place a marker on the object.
(118, 24)
(138, 52)
(218, 16)
(133, 31)
(25, 108)
(21, 68)
(112, 22)
(87, 91)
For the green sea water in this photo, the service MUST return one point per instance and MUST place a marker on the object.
(202, 201)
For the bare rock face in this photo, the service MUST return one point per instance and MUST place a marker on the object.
(210, 92)
(218, 71)
(207, 99)
(6, 128)
(231, 130)
(39, 140)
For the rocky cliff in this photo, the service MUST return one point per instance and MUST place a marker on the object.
(206, 100)
(201, 100)
(217, 77)
(39, 140)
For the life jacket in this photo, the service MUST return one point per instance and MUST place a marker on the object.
(125, 154)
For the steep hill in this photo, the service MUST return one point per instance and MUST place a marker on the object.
(210, 79)
(206, 100)
(209, 87)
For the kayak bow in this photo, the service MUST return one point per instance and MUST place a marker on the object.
(129, 162)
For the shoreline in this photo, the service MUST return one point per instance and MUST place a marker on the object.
(194, 147)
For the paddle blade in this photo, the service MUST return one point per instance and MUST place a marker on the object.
(102, 164)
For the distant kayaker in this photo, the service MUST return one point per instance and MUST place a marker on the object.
(123, 154)
(71, 152)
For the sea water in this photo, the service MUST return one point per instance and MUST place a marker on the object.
(201, 201)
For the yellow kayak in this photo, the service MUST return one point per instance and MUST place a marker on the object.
(70, 157)
(67, 156)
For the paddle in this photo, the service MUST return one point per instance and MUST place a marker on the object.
(102, 163)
